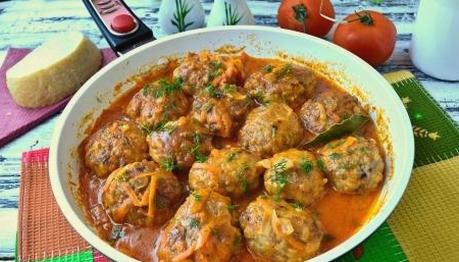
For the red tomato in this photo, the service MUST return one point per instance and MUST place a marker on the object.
(304, 16)
(368, 34)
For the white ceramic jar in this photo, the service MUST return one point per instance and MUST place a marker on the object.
(435, 43)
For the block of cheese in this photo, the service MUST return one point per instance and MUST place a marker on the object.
(54, 70)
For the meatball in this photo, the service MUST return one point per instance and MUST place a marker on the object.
(277, 231)
(157, 103)
(270, 129)
(204, 68)
(203, 229)
(353, 164)
(288, 83)
(141, 194)
(295, 176)
(328, 109)
(231, 172)
(220, 110)
(115, 145)
(179, 143)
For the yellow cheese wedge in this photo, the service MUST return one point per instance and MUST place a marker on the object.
(54, 70)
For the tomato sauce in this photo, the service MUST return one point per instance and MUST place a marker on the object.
(341, 214)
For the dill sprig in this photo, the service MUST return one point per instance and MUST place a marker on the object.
(280, 176)
(284, 70)
(163, 87)
(214, 92)
(241, 176)
(215, 69)
(168, 164)
(196, 149)
(306, 166)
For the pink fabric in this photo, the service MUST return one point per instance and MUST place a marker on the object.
(15, 120)
(99, 257)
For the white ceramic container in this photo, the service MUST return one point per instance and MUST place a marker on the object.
(435, 43)
(259, 41)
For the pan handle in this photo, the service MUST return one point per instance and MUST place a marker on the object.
(122, 29)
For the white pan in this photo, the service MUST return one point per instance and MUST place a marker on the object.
(354, 74)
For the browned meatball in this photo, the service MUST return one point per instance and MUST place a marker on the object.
(203, 229)
(115, 145)
(327, 109)
(288, 83)
(231, 172)
(179, 143)
(295, 176)
(220, 109)
(270, 129)
(157, 103)
(204, 68)
(277, 231)
(141, 194)
(353, 164)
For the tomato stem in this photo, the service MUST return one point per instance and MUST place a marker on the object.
(301, 13)
(364, 17)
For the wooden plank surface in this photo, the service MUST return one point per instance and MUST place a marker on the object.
(28, 23)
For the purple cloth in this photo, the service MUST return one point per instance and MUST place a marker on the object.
(15, 120)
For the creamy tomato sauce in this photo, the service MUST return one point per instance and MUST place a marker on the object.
(340, 214)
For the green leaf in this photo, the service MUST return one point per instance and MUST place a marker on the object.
(301, 13)
(347, 126)
(377, 1)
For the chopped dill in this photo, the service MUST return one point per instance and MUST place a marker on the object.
(297, 205)
(122, 177)
(241, 176)
(306, 166)
(168, 164)
(165, 126)
(268, 68)
(320, 164)
(215, 69)
(231, 156)
(285, 70)
(260, 98)
(196, 149)
(232, 207)
(146, 129)
(280, 176)
(334, 156)
(214, 92)
(196, 196)
(194, 223)
(228, 89)
(163, 87)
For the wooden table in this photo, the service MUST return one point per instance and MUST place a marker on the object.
(28, 23)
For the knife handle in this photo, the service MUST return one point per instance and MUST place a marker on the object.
(122, 29)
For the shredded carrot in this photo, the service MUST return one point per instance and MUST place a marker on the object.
(151, 202)
(120, 213)
(108, 182)
(204, 234)
(130, 192)
(350, 140)
(296, 244)
(275, 223)
(184, 254)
